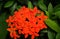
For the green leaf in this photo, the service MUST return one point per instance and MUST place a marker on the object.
(18, 7)
(50, 8)
(42, 5)
(13, 8)
(53, 25)
(58, 36)
(44, 31)
(47, 13)
(57, 8)
(30, 5)
(51, 35)
(3, 26)
(8, 4)
(57, 14)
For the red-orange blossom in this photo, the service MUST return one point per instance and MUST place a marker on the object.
(25, 21)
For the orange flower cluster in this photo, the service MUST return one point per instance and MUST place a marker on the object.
(27, 22)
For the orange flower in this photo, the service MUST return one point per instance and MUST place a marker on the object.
(13, 33)
(26, 22)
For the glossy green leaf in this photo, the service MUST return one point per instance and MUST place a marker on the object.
(8, 4)
(58, 36)
(30, 4)
(13, 8)
(50, 8)
(3, 26)
(57, 14)
(51, 35)
(44, 31)
(53, 25)
(42, 6)
(47, 13)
